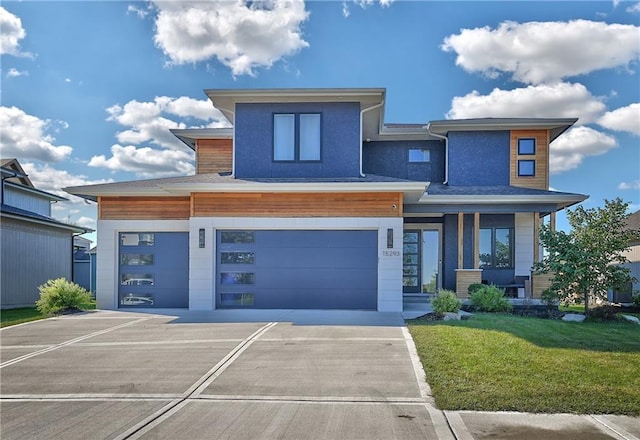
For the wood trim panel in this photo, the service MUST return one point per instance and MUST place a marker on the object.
(368, 204)
(143, 208)
(541, 179)
(214, 155)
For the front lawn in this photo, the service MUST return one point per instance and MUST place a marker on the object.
(18, 316)
(498, 362)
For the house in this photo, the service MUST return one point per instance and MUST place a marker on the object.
(312, 201)
(35, 246)
(84, 264)
(633, 255)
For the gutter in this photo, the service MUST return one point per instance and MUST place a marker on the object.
(446, 152)
(362, 112)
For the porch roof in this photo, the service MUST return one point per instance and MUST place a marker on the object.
(224, 182)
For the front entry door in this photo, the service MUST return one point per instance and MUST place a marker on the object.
(421, 260)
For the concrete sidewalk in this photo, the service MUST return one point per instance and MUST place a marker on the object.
(242, 375)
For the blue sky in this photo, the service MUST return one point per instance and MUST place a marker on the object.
(89, 89)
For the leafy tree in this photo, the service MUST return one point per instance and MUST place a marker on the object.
(586, 261)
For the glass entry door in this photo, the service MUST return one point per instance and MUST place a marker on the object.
(421, 260)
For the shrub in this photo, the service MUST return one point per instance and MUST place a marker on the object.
(490, 299)
(550, 297)
(635, 299)
(603, 313)
(59, 295)
(445, 301)
(475, 287)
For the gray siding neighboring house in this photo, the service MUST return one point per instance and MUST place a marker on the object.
(34, 246)
(633, 255)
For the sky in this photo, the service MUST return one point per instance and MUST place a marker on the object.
(90, 89)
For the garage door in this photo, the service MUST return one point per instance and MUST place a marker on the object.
(153, 269)
(297, 269)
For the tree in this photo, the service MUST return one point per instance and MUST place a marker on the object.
(587, 260)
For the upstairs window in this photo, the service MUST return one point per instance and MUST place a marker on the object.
(496, 248)
(526, 168)
(296, 137)
(419, 155)
(526, 146)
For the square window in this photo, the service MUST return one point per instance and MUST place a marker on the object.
(527, 146)
(296, 137)
(419, 155)
(526, 168)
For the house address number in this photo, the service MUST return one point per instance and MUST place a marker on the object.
(390, 253)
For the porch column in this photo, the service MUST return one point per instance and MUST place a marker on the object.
(536, 237)
(460, 240)
(465, 277)
(552, 221)
(476, 240)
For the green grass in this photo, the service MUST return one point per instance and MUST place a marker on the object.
(18, 316)
(507, 363)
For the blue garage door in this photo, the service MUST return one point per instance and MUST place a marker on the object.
(153, 269)
(297, 269)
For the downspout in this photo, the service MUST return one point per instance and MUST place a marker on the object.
(233, 141)
(362, 112)
(446, 152)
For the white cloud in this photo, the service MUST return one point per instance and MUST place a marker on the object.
(623, 119)
(140, 12)
(634, 9)
(363, 4)
(542, 52)
(25, 137)
(149, 121)
(146, 162)
(561, 100)
(569, 150)
(86, 222)
(629, 185)
(14, 73)
(12, 33)
(52, 180)
(241, 35)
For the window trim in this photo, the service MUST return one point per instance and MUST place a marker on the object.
(512, 245)
(296, 138)
(520, 153)
(526, 161)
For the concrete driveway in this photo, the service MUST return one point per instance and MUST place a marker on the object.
(238, 375)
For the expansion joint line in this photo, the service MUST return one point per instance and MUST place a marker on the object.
(69, 342)
(194, 390)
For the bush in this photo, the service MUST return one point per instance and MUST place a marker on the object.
(445, 301)
(490, 299)
(603, 313)
(60, 295)
(475, 287)
(635, 299)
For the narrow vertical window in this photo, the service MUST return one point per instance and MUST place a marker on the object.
(310, 136)
(284, 133)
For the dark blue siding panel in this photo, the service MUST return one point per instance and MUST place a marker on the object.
(391, 158)
(479, 158)
(340, 136)
(308, 269)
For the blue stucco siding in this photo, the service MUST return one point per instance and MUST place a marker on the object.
(479, 158)
(340, 141)
(391, 158)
